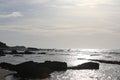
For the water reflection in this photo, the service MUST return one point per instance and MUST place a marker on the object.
(106, 71)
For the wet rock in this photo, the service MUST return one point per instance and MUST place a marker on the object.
(32, 49)
(25, 52)
(35, 70)
(28, 52)
(42, 53)
(2, 53)
(56, 66)
(32, 69)
(88, 65)
(14, 52)
(7, 66)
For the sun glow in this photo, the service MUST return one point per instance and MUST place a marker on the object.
(93, 3)
(80, 3)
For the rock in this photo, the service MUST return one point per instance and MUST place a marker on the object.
(25, 52)
(7, 66)
(56, 66)
(14, 52)
(3, 45)
(2, 53)
(42, 53)
(88, 65)
(32, 49)
(28, 52)
(18, 48)
(32, 69)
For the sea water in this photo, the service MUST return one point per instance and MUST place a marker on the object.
(73, 57)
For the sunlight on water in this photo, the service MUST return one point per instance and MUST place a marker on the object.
(74, 75)
(90, 50)
(74, 57)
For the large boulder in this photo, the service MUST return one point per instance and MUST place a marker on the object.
(56, 66)
(87, 65)
(32, 70)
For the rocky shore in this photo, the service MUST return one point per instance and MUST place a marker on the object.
(32, 69)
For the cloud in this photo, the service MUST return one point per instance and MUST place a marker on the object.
(45, 30)
(93, 3)
(79, 3)
(11, 15)
(37, 1)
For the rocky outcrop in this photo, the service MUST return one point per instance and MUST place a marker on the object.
(35, 70)
(32, 69)
(88, 65)
(32, 49)
(42, 53)
(18, 48)
(7, 66)
(2, 53)
(16, 52)
(3, 45)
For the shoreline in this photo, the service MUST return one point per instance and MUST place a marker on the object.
(4, 73)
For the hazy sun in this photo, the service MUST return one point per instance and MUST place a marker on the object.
(93, 3)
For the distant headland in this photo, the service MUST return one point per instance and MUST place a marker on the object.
(4, 46)
(6, 49)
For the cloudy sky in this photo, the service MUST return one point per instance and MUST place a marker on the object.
(60, 23)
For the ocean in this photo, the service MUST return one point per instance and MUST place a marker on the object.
(73, 57)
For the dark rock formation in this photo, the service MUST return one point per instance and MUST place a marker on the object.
(7, 66)
(35, 70)
(3, 45)
(88, 65)
(32, 69)
(56, 66)
(32, 49)
(14, 52)
(42, 53)
(2, 53)
(25, 52)
(18, 48)
(28, 52)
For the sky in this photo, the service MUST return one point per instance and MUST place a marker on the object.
(60, 23)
